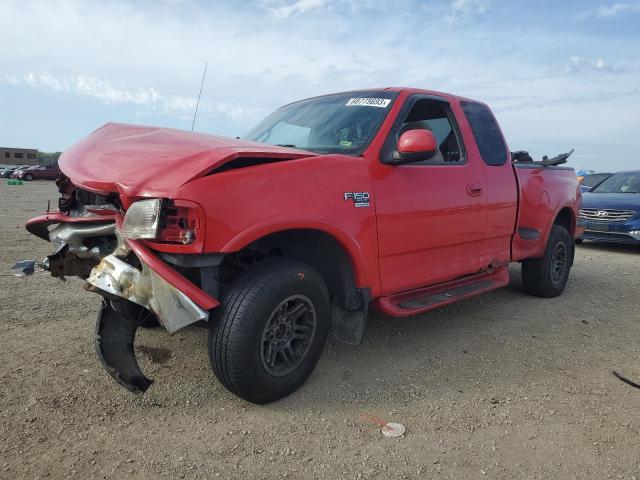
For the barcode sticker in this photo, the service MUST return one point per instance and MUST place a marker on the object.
(368, 102)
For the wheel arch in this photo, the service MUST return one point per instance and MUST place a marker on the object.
(333, 253)
(567, 218)
(565, 215)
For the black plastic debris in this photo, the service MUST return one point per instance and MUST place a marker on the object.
(625, 379)
(114, 336)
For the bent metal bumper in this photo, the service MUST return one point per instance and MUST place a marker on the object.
(173, 298)
(82, 246)
(155, 286)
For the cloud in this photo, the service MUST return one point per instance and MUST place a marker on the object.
(570, 100)
(616, 9)
(611, 10)
(461, 9)
(577, 64)
(87, 86)
(286, 10)
(105, 92)
(102, 90)
(11, 80)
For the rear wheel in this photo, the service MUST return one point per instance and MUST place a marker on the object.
(547, 276)
(269, 332)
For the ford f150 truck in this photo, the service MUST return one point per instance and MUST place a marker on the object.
(397, 198)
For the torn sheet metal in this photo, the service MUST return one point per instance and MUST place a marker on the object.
(76, 236)
(113, 276)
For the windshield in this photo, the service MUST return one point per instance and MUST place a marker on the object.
(625, 182)
(594, 179)
(340, 123)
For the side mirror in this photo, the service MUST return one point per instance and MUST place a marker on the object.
(415, 146)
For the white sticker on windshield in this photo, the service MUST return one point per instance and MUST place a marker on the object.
(368, 102)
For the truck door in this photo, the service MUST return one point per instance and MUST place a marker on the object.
(500, 182)
(431, 215)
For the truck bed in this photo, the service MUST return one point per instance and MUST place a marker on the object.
(543, 191)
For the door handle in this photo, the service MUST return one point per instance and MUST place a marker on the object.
(474, 189)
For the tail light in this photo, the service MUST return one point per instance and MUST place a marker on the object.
(179, 223)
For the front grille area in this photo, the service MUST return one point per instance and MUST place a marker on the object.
(85, 197)
(605, 215)
(79, 202)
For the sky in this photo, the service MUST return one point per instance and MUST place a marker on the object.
(558, 75)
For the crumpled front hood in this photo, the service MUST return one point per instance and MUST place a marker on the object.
(151, 161)
(612, 201)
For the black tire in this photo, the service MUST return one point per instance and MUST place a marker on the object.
(137, 313)
(267, 336)
(579, 241)
(28, 177)
(547, 276)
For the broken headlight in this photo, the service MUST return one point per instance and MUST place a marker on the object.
(142, 219)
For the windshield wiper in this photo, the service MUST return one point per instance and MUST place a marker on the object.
(288, 145)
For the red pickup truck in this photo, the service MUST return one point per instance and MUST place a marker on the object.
(399, 198)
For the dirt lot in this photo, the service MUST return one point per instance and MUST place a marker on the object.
(500, 386)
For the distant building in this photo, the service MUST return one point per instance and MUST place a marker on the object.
(18, 156)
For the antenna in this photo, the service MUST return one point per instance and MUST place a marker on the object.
(199, 95)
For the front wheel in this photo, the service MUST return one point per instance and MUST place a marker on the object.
(28, 177)
(547, 276)
(267, 336)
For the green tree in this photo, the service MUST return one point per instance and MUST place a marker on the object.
(48, 158)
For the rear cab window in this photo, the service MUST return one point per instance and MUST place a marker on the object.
(486, 132)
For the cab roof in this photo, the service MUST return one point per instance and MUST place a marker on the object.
(406, 90)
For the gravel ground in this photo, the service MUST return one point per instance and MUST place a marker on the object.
(499, 386)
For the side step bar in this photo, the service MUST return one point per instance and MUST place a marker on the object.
(424, 299)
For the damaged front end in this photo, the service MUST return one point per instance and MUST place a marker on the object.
(124, 275)
(78, 247)
(88, 240)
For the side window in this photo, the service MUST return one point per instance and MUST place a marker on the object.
(436, 116)
(486, 132)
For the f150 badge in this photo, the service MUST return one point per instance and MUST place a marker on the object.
(360, 199)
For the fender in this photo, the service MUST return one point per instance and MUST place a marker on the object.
(574, 219)
(539, 249)
(281, 223)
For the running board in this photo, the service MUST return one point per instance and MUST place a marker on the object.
(424, 299)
